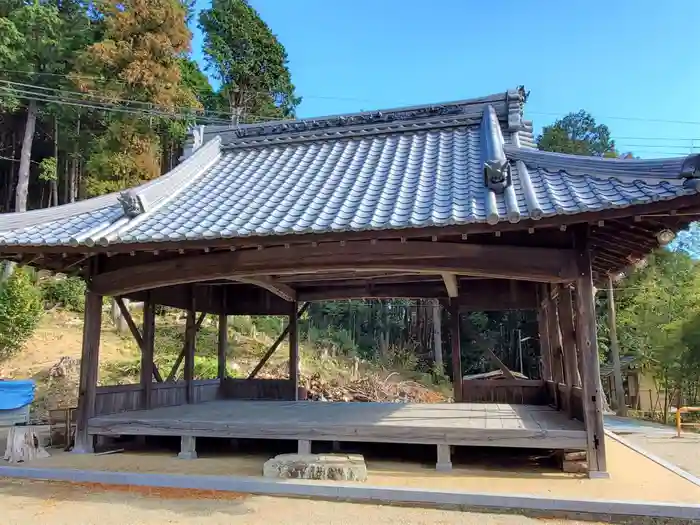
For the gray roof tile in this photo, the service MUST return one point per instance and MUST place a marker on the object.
(406, 168)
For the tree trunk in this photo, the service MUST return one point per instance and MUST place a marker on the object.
(23, 445)
(73, 177)
(437, 337)
(118, 318)
(25, 158)
(53, 183)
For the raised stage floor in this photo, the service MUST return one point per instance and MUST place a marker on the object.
(471, 424)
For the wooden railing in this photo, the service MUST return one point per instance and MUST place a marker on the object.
(122, 398)
(515, 391)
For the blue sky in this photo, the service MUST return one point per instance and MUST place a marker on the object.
(632, 63)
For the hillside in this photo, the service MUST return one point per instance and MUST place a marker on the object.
(52, 358)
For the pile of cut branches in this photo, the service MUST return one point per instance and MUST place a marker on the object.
(371, 388)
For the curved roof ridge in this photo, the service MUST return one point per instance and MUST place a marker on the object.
(152, 190)
(507, 104)
(670, 168)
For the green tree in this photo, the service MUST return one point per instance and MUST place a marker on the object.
(577, 134)
(32, 41)
(20, 311)
(248, 60)
(137, 60)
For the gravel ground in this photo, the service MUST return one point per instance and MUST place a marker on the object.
(683, 452)
(25, 502)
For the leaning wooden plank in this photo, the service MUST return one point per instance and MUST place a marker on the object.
(277, 342)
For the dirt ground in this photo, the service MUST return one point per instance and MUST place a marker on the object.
(632, 476)
(683, 452)
(25, 502)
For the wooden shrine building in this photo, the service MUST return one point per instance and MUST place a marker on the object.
(448, 201)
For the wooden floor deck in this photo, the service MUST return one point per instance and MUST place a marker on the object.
(498, 425)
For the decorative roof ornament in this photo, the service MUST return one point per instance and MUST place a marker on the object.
(197, 137)
(691, 167)
(497, 171)
(497, 175)
(132, 204)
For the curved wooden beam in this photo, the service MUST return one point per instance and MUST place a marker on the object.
(494, 261)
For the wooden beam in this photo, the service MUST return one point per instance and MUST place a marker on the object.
(456, 351)
(126, 314)
(277, 342)
(568, 341)
(147, 351)
(294, 349)
(496, 261)
(451, 284)
(587, 342)
(506, 371)
(88, 371)
(282, 290)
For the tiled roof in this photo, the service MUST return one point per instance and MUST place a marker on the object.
(449, 164)
(626, 361)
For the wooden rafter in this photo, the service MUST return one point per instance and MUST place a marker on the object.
(282, 290)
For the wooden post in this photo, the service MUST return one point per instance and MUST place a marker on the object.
(544, 344)
(189, 347)
(294, 349)
(88, 371)
(621, 407)
(568, 341)
(223, 338)
(456, 350)
(587, 343)
(223, 346)
(147, 351)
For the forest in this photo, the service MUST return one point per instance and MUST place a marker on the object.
(97, 96)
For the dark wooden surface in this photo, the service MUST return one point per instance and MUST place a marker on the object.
(513, 391)
(496, 425)
(270, 389)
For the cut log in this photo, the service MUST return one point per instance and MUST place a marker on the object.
(23, 445)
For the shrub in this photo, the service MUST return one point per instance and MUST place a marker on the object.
(20, 311)
(68, 292)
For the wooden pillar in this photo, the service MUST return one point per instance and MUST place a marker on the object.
(294, 349)
(223, 346)
(147, 351)
(546, 369)
(568, 341)
(587, 343)
(456, 350)
(88, 371)
(621, 407)
(190, 336)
